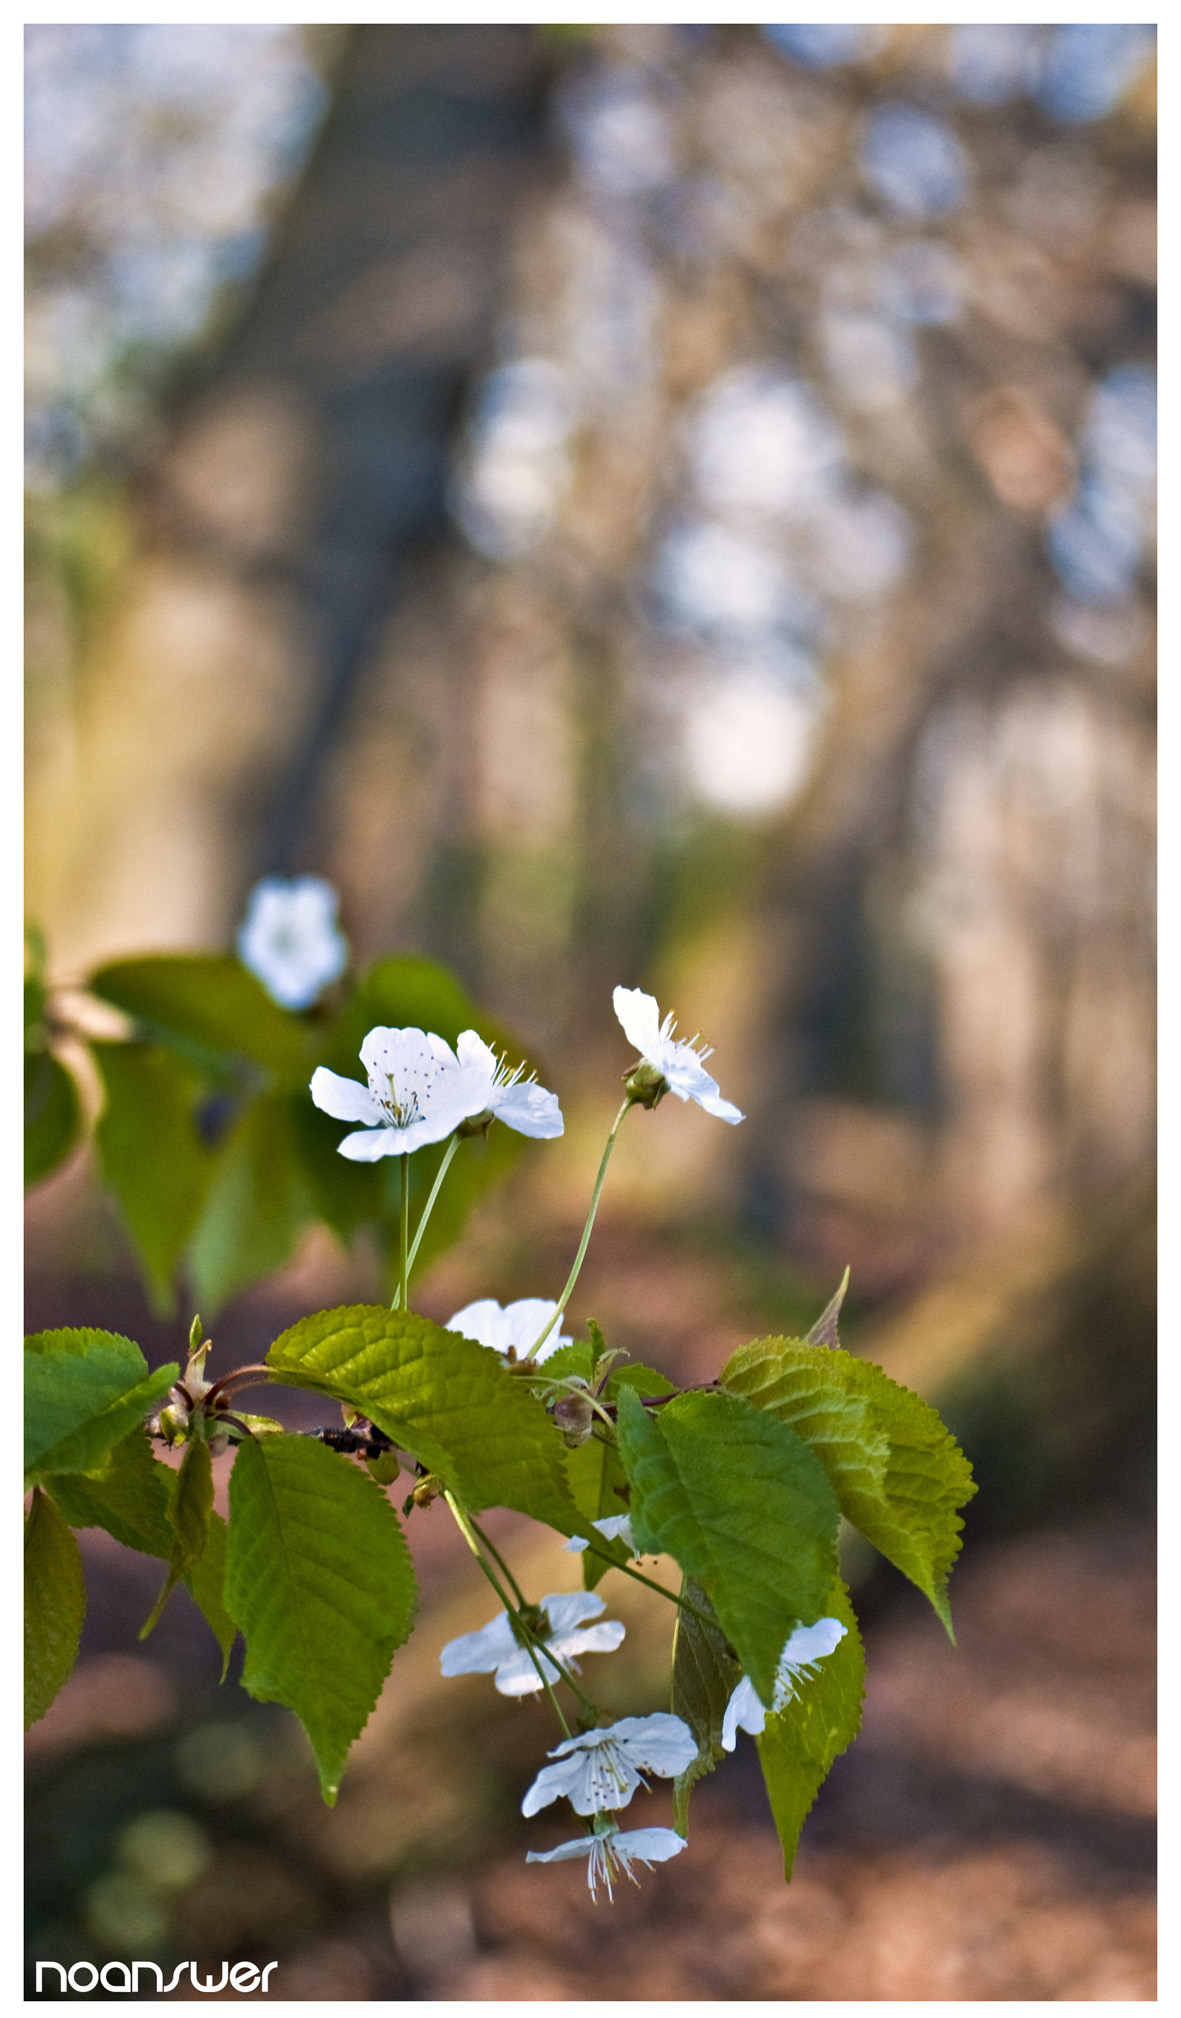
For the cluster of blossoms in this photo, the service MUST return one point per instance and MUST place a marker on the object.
(417, 1091)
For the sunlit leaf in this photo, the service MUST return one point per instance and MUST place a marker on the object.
(898, 1472)
(440, 1395)
(84, 1391)
(743, 1505)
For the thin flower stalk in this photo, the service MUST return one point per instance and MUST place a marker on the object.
(583, 1244)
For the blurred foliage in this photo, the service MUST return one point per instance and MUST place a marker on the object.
(208, 1137)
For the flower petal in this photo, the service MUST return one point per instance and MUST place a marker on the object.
(646, 1846)
(600, 1639)
(660, 1743)
(566, 1610)
(480, 1652)
(640, 1018)
(484, 1321)
(725, 1110)
(744, 1712)
(370, 1144)
(344, 1099)
(528, 1108)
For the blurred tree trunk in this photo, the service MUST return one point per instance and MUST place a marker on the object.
(304, 465)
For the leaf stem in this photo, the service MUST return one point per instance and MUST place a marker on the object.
(586, 1231)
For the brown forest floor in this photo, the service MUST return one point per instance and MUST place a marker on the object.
(989, 1837)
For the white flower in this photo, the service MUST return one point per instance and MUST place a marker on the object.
(616, 1527)
(418, 1092)
(602, 1769)
(495, 1649)
(501, 1090)
(613, 1852)
(290, 939)
(807, 1645)
(511, 1330)
(681, 1065)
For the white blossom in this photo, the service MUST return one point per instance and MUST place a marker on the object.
(681, 1065)
(614, 1851)
(510, 1330)
(602, 1769)
(496, 1650)
(503, 1091)
(616, 1527)
(418, 1092)
(290, 940)
(797, 1662)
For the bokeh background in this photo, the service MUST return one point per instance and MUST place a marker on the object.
(671, 506)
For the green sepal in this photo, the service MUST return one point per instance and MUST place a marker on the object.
(84, 1390)
(189, 1509)
(799, 1742)
(705, 1675)
(743, 1505)
(440, 1395)
(257, 1206)
(152, 1156)
(55, 1605)
(53, 1114)
(898, 1472)
(320, 1582)
(209, 1008)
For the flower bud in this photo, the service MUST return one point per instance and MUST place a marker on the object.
(427, 1489)
(172, 1423)
(575, 1417)
(645, 1084)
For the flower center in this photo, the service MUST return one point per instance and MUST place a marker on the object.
(401, 1112)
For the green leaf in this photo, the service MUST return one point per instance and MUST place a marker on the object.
(207, 1003)
(257, 1206)
(84, 1390)
(53, 1117)
(595, 1469)
(128, 1497)
(705, 1676)
(744, 1506)
(439, 1395)
(206, 1585)
(898, 1473)
(320, 1581)
(800, 1741)
(189, 1510)
(55, 1605)
(152, 1156)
